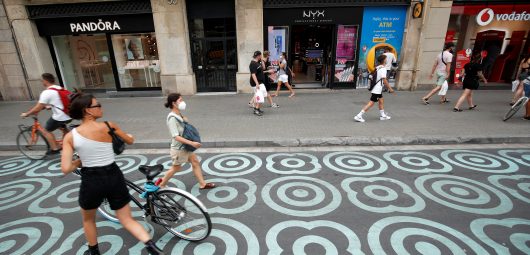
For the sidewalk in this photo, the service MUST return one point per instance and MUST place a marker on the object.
(320, 117)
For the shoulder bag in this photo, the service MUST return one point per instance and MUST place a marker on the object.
(118, 145)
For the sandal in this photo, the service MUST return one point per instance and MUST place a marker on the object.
(445, 101)
(473, 107)
(425, 101)
(457, 110)
(209, 186)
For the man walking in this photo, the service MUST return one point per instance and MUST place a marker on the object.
(377, 91)
(442, 68)
(257, 79)
(390, 60)
(51, 97)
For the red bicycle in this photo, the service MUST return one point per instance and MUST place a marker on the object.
(31, 141)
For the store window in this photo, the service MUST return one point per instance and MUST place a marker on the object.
(345, 53)
(84, 61)
(498, 32)
(137, 60)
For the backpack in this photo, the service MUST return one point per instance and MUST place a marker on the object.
(65, 96)
(190, 133)
(373, 79)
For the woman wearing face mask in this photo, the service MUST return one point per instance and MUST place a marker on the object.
(101, 178)
(179, 155)
(283, 76)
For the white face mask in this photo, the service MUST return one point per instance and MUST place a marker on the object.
(182, 106)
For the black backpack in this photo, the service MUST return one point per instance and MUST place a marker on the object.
(373, 79)
(190, 133)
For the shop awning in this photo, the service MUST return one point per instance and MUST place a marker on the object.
(330, 3)
(89, 9)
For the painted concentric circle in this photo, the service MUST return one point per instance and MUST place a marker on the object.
(17, 164)
(520, 156)
(17, 192)
(296, 163)
(463, 194)
(301, 196)
(35, 235)
(130, 163)
(355, 163)
(345, 241)
(412, 235)
(479, 161)
(231, 196)
(417, 162)
(231, 164)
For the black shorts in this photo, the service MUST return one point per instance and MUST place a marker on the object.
(52, 125)
(105, 182)
(375, 97)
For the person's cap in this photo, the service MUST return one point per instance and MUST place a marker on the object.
(257, 53)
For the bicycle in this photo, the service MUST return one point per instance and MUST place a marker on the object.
(515, 107)
(172, 208)
(31, 141)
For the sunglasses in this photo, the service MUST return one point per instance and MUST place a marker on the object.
(95, 106)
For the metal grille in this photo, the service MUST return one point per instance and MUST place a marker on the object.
(89, 9)
(329, 3)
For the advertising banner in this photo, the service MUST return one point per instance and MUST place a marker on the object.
(277, 43)
(382, 27)
(345, 53)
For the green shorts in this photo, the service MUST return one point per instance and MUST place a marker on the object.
(440, 78)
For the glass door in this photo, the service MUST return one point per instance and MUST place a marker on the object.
(84, 61)
(345, 56)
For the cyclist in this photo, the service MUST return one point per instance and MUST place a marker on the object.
(101, 178)
(50, 98)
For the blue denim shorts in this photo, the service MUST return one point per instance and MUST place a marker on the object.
(526, 90)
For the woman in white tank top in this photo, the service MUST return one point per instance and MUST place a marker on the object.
(101, 178)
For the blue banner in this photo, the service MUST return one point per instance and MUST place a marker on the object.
(382, 27)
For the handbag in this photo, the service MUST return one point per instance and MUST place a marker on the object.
(189, 133)
(118, 145)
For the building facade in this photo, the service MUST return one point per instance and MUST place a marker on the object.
(206, 45)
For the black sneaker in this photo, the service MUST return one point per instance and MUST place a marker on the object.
(260, 111)
(152, 249)
(53, 152)
(526, 118)
(94, 252)
(257, 112)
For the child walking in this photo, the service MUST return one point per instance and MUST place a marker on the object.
(377, 91)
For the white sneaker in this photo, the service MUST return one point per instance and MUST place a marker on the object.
(358, 118)
(386, 117)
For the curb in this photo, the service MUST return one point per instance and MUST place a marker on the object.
(336, 141)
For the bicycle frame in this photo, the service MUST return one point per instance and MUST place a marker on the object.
(148, 206)
(37, 127)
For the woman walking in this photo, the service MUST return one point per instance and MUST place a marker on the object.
(472, 74)
(179, 155)
(283, 77)
(268, 71)
(101, 178)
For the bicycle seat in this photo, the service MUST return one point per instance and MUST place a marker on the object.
(151, 171)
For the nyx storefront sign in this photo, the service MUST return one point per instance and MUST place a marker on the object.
(312, 16)
(96, 25)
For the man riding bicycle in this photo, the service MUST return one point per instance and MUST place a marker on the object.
(51, 97)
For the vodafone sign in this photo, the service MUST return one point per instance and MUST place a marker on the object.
(487, 15)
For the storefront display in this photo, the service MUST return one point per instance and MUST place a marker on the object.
(104, 52)
(382, 27)
(498, 32)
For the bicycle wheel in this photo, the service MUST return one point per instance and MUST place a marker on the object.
(181, 214)
(106, 212)
(522, 101)
(32, 145)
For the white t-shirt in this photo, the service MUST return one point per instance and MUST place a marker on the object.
(440, 67)
(390, 58)
(381, 74)
(52, 98)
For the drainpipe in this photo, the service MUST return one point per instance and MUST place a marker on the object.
(415, 71)
(17, 47)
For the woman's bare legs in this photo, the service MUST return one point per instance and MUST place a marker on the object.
(470, 99)
(197, 171)
(126, 220)
(168, 175)
(89, 226)
(290, 89)
(463, 97)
